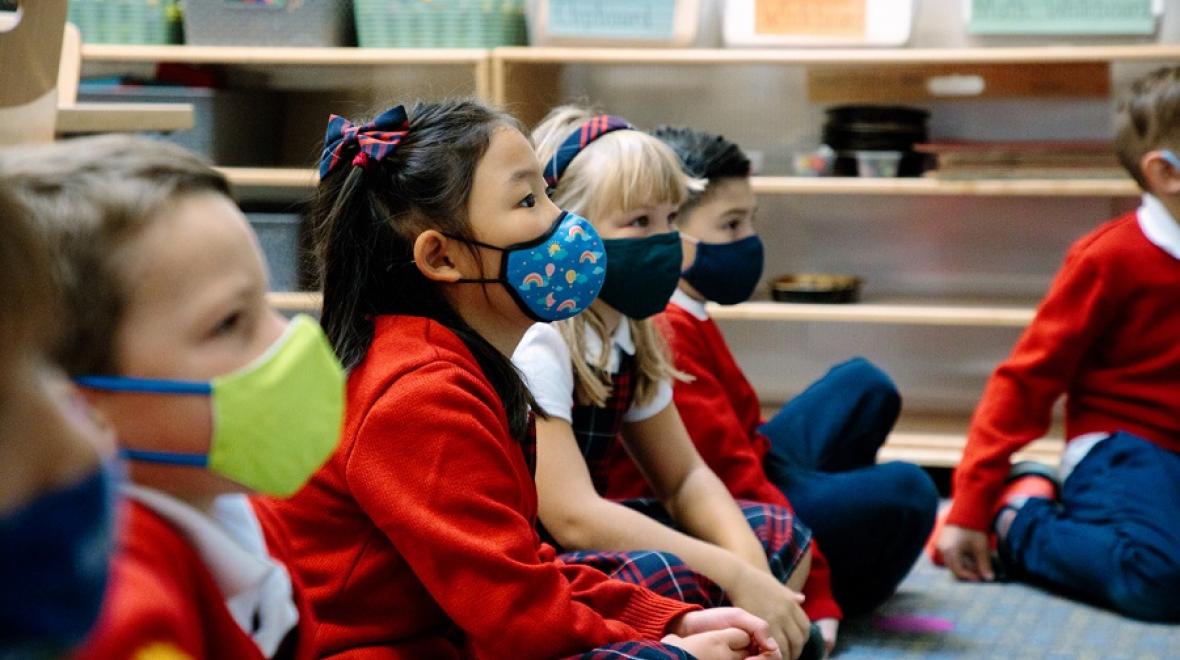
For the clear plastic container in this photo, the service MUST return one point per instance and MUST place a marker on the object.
(878, 164)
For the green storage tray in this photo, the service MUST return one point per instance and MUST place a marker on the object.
(127, 21)
(439, 23)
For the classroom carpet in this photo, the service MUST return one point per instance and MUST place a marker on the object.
(933, 616)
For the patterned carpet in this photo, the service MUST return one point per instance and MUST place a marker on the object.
(932, 616)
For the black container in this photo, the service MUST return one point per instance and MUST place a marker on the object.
(852, 128)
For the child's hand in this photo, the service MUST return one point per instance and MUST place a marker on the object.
(724, 644)
(762, 595)
(722, 618)
(966, 553)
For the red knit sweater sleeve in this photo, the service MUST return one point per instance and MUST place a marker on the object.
(722, 438)
(716, 429)
(1017, 403)
(434, 468)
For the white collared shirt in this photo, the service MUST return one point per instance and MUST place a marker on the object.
(690, 305)
(1159, 226)
(257, 588)
(544, 359)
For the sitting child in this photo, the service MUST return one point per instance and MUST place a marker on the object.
(819, 452)
(1105, 336)
(208, 389)
(57, 482)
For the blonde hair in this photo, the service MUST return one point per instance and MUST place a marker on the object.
(619, 172)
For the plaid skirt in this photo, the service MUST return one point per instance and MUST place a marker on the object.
(636, 650)
(783, 537)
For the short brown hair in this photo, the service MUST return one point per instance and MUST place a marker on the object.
(91, 197)
(29, 301)
(1148, 118)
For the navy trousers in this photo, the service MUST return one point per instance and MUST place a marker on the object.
(1115, 537)
(870, 520)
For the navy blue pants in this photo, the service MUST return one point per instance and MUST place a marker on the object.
(1115, 537)
(870, 520)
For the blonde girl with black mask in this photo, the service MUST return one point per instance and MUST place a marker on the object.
(604, 379)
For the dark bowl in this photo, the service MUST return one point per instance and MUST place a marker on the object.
(816, 288)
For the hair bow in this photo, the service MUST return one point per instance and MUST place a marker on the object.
(372, 142)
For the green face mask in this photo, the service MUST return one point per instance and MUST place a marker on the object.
(275, 421)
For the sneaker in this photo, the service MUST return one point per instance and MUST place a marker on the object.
(1025, 479)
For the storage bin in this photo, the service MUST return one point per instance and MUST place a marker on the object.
(794, 23)
(668, 23)
(269, 22)
(279, 236)
(439, 23)
(230, 127)
(127, 21)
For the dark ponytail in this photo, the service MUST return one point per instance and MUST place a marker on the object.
(365, 221)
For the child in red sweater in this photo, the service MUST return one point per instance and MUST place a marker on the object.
(56, 479)
(438, 247)
(818, 453)
(210, 393)
(1105, 336)
(605, 379)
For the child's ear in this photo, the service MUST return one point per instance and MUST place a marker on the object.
(432, 256)
(1163, 178)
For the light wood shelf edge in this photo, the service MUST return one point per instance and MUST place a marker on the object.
(879, 313)
(785, 185)
(290, 177)
(92, 117)
(820, 56)
(295, 178)
(247, 55)
(755, 311)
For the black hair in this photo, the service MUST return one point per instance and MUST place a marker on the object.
(365, 220)
(704, 155)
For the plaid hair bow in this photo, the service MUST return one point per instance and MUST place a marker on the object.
(372, 142)
(577, 141)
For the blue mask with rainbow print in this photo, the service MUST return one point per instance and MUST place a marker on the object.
(556, 275)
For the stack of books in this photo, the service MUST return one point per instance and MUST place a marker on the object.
(1022, 160)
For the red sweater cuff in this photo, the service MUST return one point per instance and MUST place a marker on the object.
(651, 614)
(820, 603)
(973, 505)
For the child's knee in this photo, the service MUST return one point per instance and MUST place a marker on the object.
(876, 387)
(910, 493)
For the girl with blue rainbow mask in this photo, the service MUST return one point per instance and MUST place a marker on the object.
(438, 248)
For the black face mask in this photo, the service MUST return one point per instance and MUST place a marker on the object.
(727, 273)
(641, 273)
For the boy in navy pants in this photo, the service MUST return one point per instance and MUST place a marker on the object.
(1107, 336)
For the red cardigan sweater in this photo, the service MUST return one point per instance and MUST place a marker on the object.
(1107, 335)
(722, 414)
(417, 538)
(162, 601)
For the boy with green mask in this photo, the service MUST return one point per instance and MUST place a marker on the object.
(211, 393)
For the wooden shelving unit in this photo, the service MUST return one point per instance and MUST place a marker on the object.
(528, 80)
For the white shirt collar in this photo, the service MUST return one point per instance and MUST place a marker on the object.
(621, 342)
(257, 588)
(690, 305)
(1159, 226)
